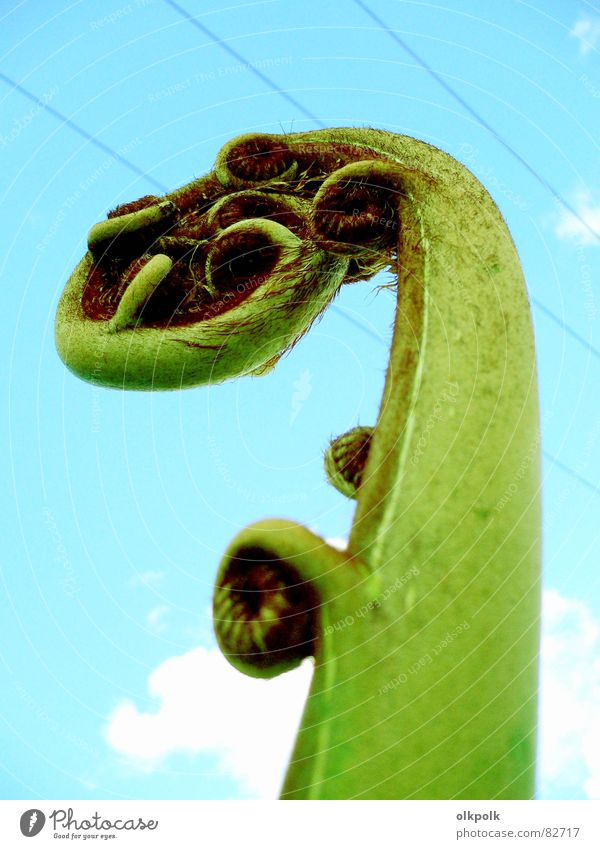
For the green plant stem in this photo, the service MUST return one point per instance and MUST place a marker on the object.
(427, 627)
(406, 701)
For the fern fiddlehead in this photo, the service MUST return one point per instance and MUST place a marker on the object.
(425, 630)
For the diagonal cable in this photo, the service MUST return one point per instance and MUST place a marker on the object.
(80, 131)
(479, 118)
(567, 328)
(274, 87)
(548, 456)
(157, 184)
(571, 472)
(238, 56)
(134, 168)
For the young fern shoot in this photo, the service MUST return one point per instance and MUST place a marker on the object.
(424, 631)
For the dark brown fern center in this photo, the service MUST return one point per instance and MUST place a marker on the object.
(264, 613)
(214, 267)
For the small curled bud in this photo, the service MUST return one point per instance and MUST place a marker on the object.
(139, 291)
(253, 203)
(254, 158)
(355, 210)
(105, 232)
(247, 253)
(346, 458)
(264, 613)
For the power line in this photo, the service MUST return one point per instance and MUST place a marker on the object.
(479, 118)
(584, 481)
(274, 87)
(80, 131)
(572, 472)
(238, 56)
(357, 323)
(562, 324)
(134, 168)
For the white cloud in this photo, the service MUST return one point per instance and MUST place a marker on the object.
(341, 543)
(581, 227)
(570, 696)
(587, 31)
(207, 707)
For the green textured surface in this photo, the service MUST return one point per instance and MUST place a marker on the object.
(425, 682)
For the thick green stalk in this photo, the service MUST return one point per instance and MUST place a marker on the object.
(425, 631)
(432, 694)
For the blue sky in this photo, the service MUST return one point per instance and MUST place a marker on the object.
(117, 506)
